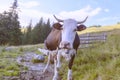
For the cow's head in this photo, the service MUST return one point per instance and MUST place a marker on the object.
(68, 29)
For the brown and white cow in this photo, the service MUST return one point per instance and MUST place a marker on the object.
(64, 41)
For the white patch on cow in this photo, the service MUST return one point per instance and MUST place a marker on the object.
(58, 59)
(48, 62)
(44, 51)
(69, 77)
(68, 32)
(47, 52)
(67, 54)
(56, 75)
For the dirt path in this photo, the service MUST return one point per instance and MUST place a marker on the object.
(34, 70)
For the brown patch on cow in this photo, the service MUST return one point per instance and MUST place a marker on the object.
(76, 42)
(53, 39)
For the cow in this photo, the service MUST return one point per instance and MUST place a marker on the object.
(64, 41)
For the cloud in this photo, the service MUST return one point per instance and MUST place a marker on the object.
(82, 13)
(30, 12)
(27, 14)
(4, 6)
(106, 10)
(29, 4)
(108, 19)
(95, 11)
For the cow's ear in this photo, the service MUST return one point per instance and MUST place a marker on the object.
(57, 26)
(81, 27)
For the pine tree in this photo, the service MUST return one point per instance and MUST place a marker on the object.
(48, 28)
(36, 32)
(11, 27)
(4, 35)
(40, 31)
(27, 37)
(15, 32)
(45, 30)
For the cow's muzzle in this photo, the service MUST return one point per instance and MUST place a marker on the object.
(65, 45)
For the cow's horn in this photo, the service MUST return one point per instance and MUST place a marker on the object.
(59, 20)
(82, 21)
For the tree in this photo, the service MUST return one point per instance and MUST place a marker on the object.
(36, 32)
(3, 32)
(118, 22)
(10, 26)
(27, 36)
(45, 30)
(40, 31)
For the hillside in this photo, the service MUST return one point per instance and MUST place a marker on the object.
(93, 29)
(101, 62)
(99, 29)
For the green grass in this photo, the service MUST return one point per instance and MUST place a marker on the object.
(8, 64)
(101, 62)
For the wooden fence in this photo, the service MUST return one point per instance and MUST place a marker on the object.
(89, 39)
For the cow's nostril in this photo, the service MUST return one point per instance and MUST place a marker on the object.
(65, 45)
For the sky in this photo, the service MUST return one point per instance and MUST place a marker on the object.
(99, 12)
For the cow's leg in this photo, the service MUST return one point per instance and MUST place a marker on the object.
(57, 65)
(69, 77)
(55, 77)
(58, 60)
(44, 51)
(48, 62)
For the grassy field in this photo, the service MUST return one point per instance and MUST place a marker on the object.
(8, 55)
(99, 29)
(101, 62)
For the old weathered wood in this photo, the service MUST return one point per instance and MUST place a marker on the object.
(89, 39)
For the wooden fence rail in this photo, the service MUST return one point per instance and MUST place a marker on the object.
(89, 39)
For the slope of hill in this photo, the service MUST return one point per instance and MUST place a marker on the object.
(99, 29)
(101, 62)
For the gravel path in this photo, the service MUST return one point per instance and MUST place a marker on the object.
(34, 70)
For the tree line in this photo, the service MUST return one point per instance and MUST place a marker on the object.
(10, 29)
(36, 34)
